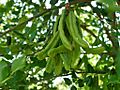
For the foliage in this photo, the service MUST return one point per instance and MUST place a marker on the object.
(78, 43)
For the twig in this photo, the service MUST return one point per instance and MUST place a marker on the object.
(112, 38)
(95, 72)
(108, 35)
(81, 72)
(40, 14)
(90, 32)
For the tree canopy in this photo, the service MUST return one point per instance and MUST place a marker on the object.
(74, 42)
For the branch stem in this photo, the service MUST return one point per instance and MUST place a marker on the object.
(40, 14)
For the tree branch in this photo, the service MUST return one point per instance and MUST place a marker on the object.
(81, 72)
(40, 14)
(112, 38)
(90, 32)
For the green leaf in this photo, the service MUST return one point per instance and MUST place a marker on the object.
(36, 62)
(81, 4)
(41, 63)
(21, 26)
(19, 34)
(70, 0)
(3, 50)
(21, 23)
(74, 76)
(53, 2)
(4, 71)
(111, 4)
(104, 12)
(89, 80)
(113, 79)
(73, 88)
(18, 64)
(67, 81)
(32, 28)
(117, 86)
(22, 19)
(33, 34)
(9, 5)
(8, 56)
(110, 86)
(85, 59)
(96, 10)
(19, 76)
(117, 64)
(89, 68)
(47, 75)
(56, 12)
(80, 83)
(94, 85)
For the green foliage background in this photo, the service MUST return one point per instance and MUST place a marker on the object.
(26, 28)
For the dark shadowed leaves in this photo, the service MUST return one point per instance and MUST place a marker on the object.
(8, 40)
(67, 81)
(117, 64)
(80, 82)
(89, 80)
(73, 88)
(4, 71)
(53, 2)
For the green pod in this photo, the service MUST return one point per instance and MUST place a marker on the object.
(73, 30)
(58, 65)
(97, 50)
(66, 58)
(43, 53)
(75, 55)
(54, 51)
(50, 65)
(55, 28)
(79, 28)
(63, 38)
(53, 41)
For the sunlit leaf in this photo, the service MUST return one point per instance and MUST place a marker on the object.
(4, 70)
(18, 64)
